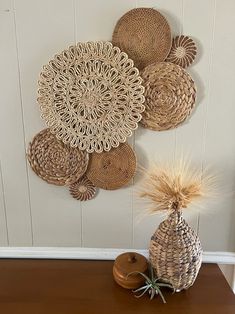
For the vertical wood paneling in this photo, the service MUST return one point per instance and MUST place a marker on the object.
(152, 145)
(45, 28)
(14, 174)
(220, 130)
(190, 135)
(4, 241)
(31, 37)
(107, 219)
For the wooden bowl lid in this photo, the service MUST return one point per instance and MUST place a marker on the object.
(129, 262)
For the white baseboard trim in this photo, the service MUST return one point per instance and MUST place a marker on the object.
(96, 254)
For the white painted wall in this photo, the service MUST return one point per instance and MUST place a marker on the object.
(34, 213)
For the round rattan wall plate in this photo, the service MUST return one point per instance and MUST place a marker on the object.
(144, 34)
(91, 96)
(83, 189)
(114, 169)
(55, 162)
(170, 96)
(183, 51)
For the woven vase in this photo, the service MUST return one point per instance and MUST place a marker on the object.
(175, 252)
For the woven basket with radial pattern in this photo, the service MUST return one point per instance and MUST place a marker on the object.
(183, 51)
(170, 95)
(144, 34)
(55, 162)
(91, 96)
(175, 252)
(83, 189)
(111, 170)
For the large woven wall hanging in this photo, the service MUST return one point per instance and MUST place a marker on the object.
(144, 34)
(91, 96)
(183, 51)
(114, 169)
(170, 96)
(54, 161)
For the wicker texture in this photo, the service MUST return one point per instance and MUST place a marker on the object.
(55, 162)
(83, 189)
(183, 51)
(144, 34)
(91, 96)
(111, 170)
(175, 252)
(170, 95)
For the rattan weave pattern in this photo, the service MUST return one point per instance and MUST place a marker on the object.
(55, 162)
(144, 34)
(114, 169)
(170, 95)
(83, 189)
(91, 96)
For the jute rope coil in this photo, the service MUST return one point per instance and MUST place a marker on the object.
(55, 162)
(144, 34)
(183, 51)
(114, 169)
(91, 96)
(175, 252)
(170, 95)
(83, 189)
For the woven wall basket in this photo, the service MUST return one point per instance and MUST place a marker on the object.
(183, 51)
(111, 170)
(83, 189)
(144, 34)
(91, 96)
(175, 252)
(170, 96)
(55, 162)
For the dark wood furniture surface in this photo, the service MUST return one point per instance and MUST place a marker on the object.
(71, 286)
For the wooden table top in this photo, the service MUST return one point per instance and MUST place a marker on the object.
(71, 286)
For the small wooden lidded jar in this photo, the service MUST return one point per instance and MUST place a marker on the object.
(127, 263)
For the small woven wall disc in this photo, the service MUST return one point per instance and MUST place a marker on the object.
(170, 95)
(111, 170)
(91, 96)
(144, 34)
(83, 189)
(183, 51)
(55, 162)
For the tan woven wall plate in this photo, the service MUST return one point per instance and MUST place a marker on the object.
(83, 189)
(183, 51)
(55, 162)
(144, 34)
(91, 96)
(114, 169)
(170, 95)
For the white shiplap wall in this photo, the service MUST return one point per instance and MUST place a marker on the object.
(35, 213)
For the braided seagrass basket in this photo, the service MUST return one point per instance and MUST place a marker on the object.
(175, 252)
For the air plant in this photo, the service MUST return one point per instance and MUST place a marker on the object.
(152, 285)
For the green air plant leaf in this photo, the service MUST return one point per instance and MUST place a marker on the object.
(152, 285)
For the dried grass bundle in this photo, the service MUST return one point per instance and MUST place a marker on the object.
(175, 186)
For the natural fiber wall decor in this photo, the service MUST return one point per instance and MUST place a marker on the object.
(91, 96)
(83, 189)
(144, 34)
(170, 96)
(55, 162)
(183, 51)
(114, 169)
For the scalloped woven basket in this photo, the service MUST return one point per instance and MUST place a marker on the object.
(175, 252)
(144, 34)
(91, 96)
